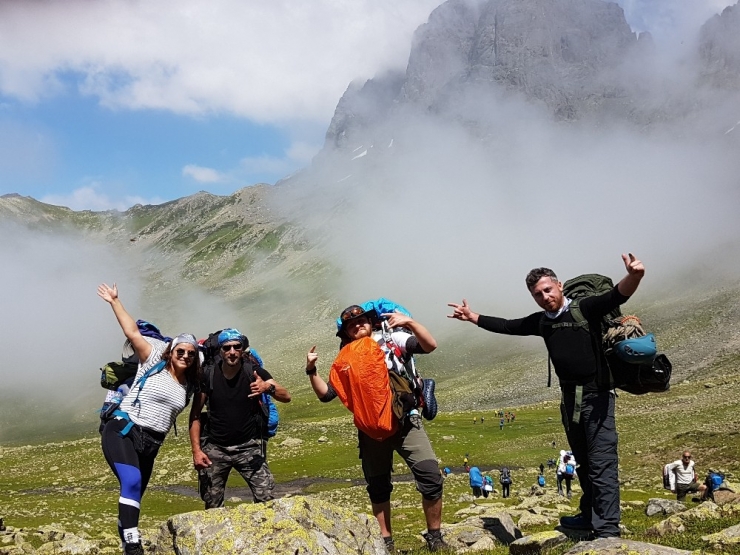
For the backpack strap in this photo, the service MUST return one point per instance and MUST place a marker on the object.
(156, 369)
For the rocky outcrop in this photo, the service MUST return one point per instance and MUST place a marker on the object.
(561, 53)
(657, 505)
(719, 49)
(298, 525)
(619, 546)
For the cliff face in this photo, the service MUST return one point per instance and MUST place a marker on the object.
(719, 49)
(578, 59)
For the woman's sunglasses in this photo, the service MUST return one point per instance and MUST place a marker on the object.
(183, 353)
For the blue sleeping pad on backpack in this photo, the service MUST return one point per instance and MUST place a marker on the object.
(476, 478)
(380, 306)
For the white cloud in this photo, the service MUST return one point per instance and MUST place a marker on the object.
(203, 175)
(297, 155)
(90, 198)
(267, 60)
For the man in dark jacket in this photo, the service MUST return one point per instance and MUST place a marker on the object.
(587, 405)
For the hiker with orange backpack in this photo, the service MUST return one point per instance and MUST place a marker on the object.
(361, 379)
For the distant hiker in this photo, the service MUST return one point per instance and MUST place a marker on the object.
(501, 424)
(446, 471)
(482, 419)
(475, 477)
(475, 419)
(553, 444)
(550, 464)
(587, 398)
(361, 379)
(133, 434)
(542, 468)
(565, 472)
(235, 433)
(684, 477)
(487, 486)
(465, 460)
(505, 481)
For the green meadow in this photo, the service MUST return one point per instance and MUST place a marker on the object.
(69, 484)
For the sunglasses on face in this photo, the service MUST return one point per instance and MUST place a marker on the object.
(227, 348)
(687, 456)
(352, 312)
(183, 353)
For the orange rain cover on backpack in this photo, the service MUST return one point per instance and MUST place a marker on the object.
(359, 375)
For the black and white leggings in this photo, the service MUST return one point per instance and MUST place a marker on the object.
(133, 471)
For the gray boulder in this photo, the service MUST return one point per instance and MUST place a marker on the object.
(664, 506)
(296, 525)
(620, 546)
(537, 543)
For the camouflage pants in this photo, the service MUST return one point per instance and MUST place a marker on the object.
(248, 459)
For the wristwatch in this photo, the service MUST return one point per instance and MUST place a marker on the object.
(310, 372)
(271, 389)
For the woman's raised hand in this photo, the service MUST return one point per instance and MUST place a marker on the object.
(108, 294)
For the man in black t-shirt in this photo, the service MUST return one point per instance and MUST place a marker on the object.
(587, 405)
(235, 432)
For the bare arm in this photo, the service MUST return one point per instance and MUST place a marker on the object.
(110, 295)
(200, 459)
(425, 339)
(463, 313)
(320, 387)
(635, 272)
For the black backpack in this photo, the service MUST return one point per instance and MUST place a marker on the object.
(212, 357)
(638, 379)
(505, 476)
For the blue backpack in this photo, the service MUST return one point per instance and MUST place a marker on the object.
(541, 481)
(269, 410)
(714, 481)
(476, 478)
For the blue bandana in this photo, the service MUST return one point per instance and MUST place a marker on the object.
(230, 334)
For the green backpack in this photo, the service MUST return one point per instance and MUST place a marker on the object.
(650, 377)
(115, 373)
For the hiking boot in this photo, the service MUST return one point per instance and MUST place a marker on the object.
(133, 549)
(436, 544)
(570, 495)
(577, 522)
(560, 493)
(390, 545)
(430, 401)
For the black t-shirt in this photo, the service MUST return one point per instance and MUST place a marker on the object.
(234, 418)
(573, 351)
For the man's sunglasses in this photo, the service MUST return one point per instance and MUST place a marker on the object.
(227, 348)
(183, 353)
(352, 312)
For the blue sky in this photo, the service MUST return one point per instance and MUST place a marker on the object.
(106, 104)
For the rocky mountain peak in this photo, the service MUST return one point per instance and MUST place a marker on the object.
(719, 48)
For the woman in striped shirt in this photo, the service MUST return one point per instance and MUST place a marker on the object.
(133, 434)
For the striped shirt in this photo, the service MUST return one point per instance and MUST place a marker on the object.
(161, 399)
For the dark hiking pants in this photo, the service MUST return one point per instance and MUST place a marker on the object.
(593, 441)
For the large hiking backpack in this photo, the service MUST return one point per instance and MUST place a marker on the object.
(631, 365)
(714, 481)
(360, 378)
(417, 393)
(116, 373)
(541, 480)
(476, 478)
(212, 357)
(505, 478)
(669, 477)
